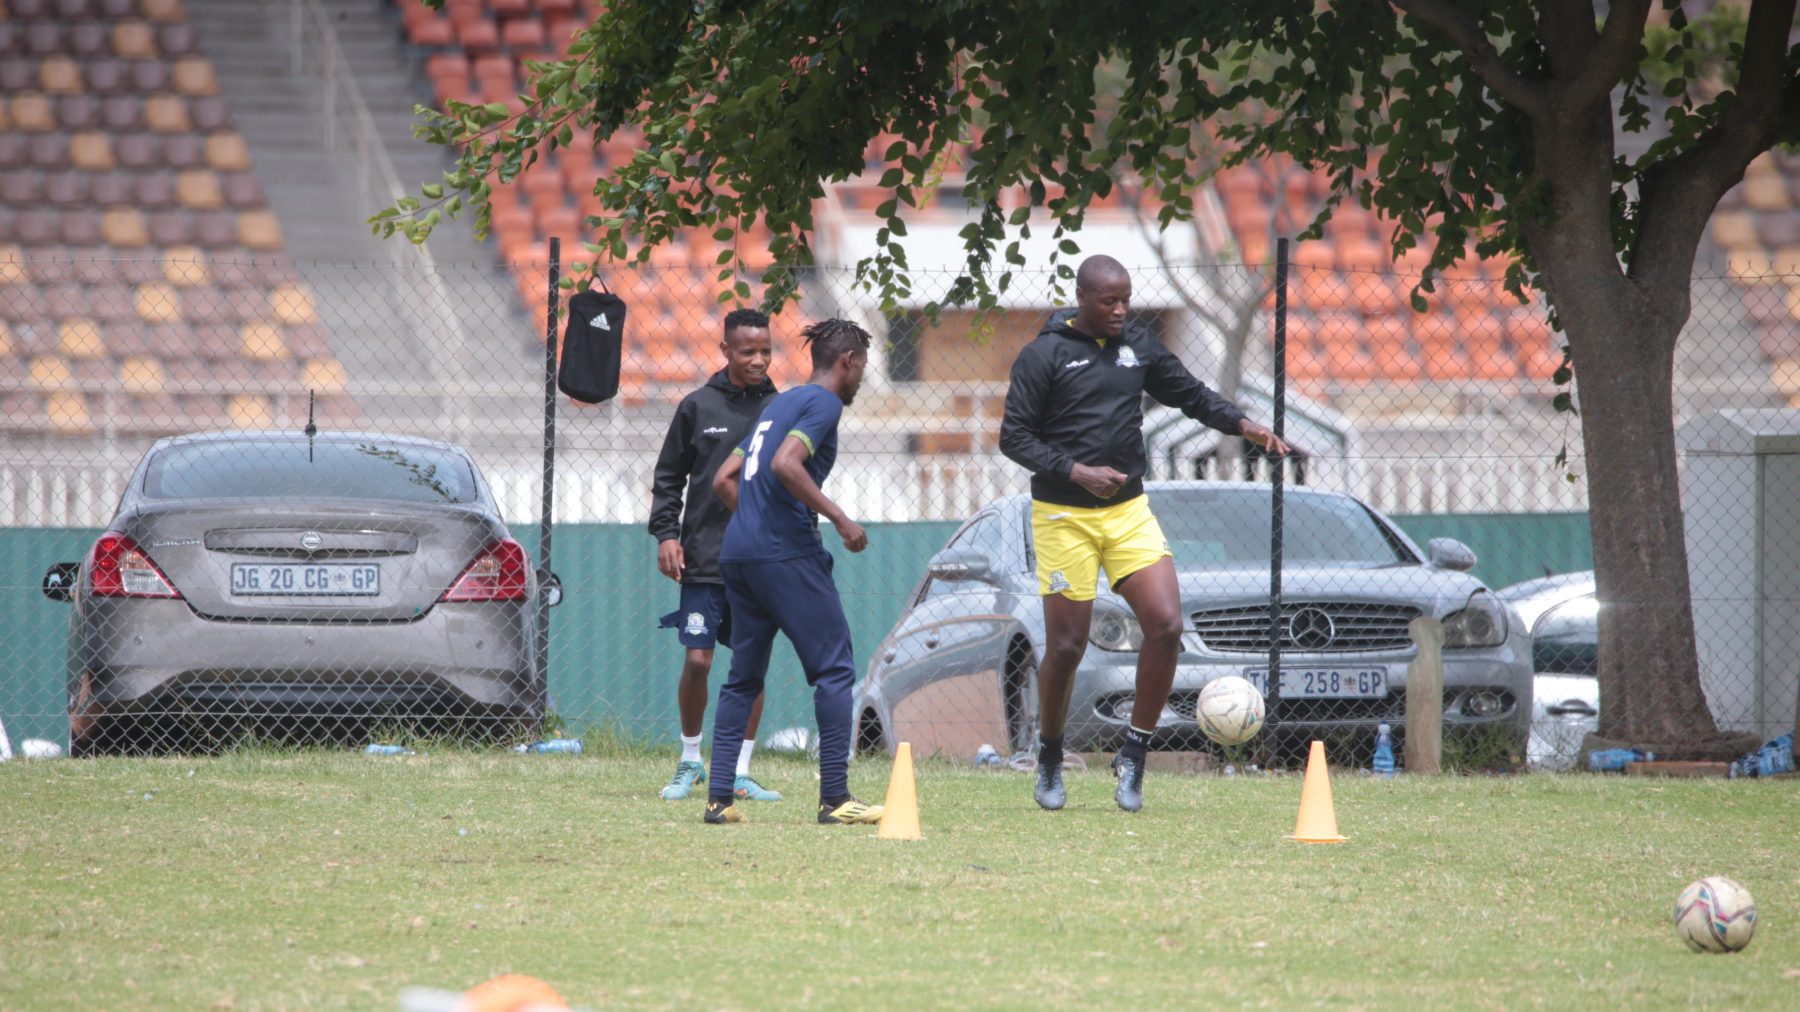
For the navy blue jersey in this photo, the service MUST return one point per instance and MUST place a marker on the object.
(771, 525)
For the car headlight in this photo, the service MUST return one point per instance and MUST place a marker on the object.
(1482, 623)
(1113, 629)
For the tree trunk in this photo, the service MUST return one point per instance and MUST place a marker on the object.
(1623, 341)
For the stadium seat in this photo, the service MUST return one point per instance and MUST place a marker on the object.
(227, 152)
(32, 113)
(124, 227)
(91, 152)
(262, 342)
(259, 230)
(134, 40)
(199, 190)
(167, 114)
(77, 112)
(149, 76)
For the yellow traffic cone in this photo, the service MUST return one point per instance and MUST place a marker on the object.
(900, 815)
(1318, 820)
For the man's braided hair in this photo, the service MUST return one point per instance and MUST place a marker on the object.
(830, 339)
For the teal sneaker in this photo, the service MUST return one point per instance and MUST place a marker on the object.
(687, 774)
(747, 789)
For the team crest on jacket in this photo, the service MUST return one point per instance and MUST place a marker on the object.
(696, 624)
(1128, 358)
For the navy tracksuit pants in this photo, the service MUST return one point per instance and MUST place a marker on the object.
(796, 597)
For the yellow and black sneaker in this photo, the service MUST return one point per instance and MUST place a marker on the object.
(849, 812)
(718, 813)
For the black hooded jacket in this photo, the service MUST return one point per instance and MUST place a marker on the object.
(1075, 400)
(708, 424)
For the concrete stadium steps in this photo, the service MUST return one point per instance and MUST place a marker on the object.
(403, 337)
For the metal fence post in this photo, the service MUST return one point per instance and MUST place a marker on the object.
(1276, 473)
(547, 502)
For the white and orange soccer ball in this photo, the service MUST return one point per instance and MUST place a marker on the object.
(1715, 914)
(1230, 710)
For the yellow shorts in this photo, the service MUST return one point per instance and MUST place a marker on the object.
(1073, 543)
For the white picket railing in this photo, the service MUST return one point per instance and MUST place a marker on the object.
(873, 487)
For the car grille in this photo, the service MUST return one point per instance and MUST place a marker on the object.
(1389, 707)
(1307, 626)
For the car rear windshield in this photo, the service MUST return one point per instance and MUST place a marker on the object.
(334, 469)
(1226, 526)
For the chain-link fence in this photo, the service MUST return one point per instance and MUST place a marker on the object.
(353, 552)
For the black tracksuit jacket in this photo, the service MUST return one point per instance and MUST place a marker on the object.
(1072, 400)
(708, 424)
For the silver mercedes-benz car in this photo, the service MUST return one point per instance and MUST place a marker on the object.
(281, 583)
(959, 668)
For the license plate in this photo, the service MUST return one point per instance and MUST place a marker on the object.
(306, 579)
(1324, 683)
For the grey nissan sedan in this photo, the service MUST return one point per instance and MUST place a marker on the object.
(300, 586)
(958, 669)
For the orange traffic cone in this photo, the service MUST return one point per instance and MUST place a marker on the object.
(900, 817)
(1318, 820)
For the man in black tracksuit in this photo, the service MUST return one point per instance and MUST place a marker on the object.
(1074, 418)
(708, 425)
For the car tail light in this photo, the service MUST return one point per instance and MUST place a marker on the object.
(497, 574)
(119, 568)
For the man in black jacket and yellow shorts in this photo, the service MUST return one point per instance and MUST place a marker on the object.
(1074, 418)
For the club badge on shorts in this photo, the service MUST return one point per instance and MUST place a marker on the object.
(696, 624)
(1059, 582)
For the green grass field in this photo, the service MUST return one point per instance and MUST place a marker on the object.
(270, 880)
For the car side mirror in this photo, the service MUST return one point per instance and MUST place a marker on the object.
(1449, 553)
(960, 564)
(59, 581)
(550, 585)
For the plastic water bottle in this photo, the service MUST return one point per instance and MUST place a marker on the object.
(987, 758)
(375, 749)
(1776, 756)
(1612, 760)
(1384, 751)
(571, 746)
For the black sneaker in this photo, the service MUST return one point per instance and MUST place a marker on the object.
(718, 813)
(1049, 790)
(1130, 792)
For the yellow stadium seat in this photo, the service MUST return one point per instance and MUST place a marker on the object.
(141, 375)
(325, 376)
(31, 113)
(50, 373)
(1749, 265)
(60, 75)
(199, 189)
(12, 266)
(185, 267)
(293, 304)
(249, 411)
(68, 413)
(124, 226)
(167, 114)
(134, 40)
(261, 342)
(227, 152)
(92, 151)
(194, 76)
(158, 303)
(1766, 193)
(79, 338)
(259, 230)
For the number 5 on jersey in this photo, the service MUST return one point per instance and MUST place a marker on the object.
(751, 463)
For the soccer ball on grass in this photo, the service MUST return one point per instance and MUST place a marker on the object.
(1230, 710)
(1715, 914)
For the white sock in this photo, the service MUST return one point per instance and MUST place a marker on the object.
(690, 749)
(743, 769)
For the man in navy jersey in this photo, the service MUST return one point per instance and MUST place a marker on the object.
(778, 574)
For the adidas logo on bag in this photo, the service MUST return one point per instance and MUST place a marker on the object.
(601, 322)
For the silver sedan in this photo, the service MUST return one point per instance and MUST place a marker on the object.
(958, 669)
(273, 582)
